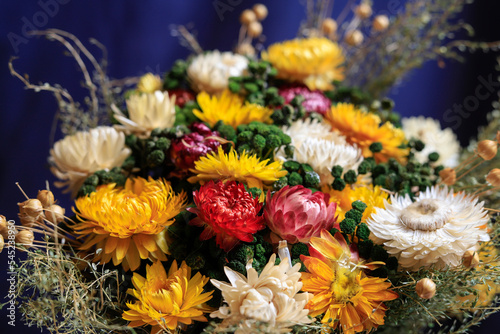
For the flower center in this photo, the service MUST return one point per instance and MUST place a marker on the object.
(425, 215)
(344, 287)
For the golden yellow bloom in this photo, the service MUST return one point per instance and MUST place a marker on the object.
(364, 129)
(342, 292)
(372, 196)
(126, 224)
(316, 62)
(245, 168)
(231, 109)
(167, 300)
(149, 83)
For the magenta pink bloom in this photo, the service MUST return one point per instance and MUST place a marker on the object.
(191, 147)
(314, 101)
(295, 214)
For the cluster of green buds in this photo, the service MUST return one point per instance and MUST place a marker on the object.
(255, 85)
(254, 138)
(356, 231)
(101, 177)
(341, 179)
(177, 75)
(346, 94)
(384, 108)
(258, 251)
(298, 174)
(184, 115)
(289, 113)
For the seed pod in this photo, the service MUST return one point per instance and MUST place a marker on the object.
(247, 16)
(31, 207)
(245, 49)
(55, 214)
(380, 23)
(329, 26)
(425, 288)
(354, 37)
(2, 243)
(487, 149)
(493, 177)
(470, 259)
(448, 176)
(4, 229)
(30, 221)
(254, 29)
(363, 11)
(45, 197)
(25, 237)
(260, 11)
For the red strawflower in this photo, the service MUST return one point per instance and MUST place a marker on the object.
(227, 211)
(181, 96)
(313, 100)
(189, 148)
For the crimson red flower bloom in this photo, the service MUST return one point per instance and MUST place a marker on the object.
(313, 100)
(227, 211)
(181, 96)
(189, 148)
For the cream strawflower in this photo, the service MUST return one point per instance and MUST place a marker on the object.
(429, 131)
(77, 156)
(315, 144)
(211, 71)
(272, 297)
(437, 229)
(147, 111)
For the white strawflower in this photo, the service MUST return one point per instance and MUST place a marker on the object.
(272, 297)
(315, 144)
(210, 72)
(429, 131)
(77, 156)
(437, 229)
(147, 111)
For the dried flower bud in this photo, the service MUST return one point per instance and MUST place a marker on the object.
(2, 243)
(245, 49)
(448, 176)
(363, 11)
(260, 11)
(354, 37)
(149, 83)
(45, 197)
(31, 207)
(4, 229)
(380, 23)
(247, 16)
(55, 214)
(329, 26)
(426, 288)
(30, 221)
(493, 177)
(498, 137)
(487, 149)
(25, 237)
(470, 259)
(254, 29)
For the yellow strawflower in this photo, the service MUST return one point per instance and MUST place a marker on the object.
(166, 301)
(126, 224)
(342, 292)
(316, 62)
(229, 108)
(363, 129)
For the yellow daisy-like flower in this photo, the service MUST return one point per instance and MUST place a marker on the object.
(231, 109)
(127, 224)
(372, 196)
(149, 83)
(342, 292)
(165, 301)
(363, 129)
(316, 62)
(229, 167)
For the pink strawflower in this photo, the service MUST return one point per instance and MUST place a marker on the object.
(314, 101)
(189, 148)
(295, 214)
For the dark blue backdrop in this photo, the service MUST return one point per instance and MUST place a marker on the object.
(137, 36)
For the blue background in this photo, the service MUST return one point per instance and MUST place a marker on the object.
(137, 36)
